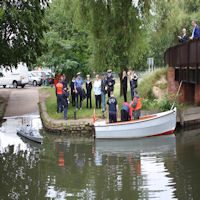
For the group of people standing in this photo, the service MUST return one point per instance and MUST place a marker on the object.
(195, 33)
(101, 87)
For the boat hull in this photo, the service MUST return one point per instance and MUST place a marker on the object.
(159, 124)
(32, 138)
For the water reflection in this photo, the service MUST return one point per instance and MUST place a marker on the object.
(165, 167)
(8, 133)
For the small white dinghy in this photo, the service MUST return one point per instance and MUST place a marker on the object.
(30, 133)
(158, 124)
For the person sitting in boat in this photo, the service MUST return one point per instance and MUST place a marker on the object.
(136, 106)
(112, 108)
(65, 101)
(126, 112)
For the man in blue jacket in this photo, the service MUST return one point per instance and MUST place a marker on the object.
(196, 31)
(78, 85)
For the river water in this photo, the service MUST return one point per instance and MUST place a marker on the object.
(163, 167)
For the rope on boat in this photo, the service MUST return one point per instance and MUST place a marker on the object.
(176, 95)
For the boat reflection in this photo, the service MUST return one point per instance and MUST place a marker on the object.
(159, 144)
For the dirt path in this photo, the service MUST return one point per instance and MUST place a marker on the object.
(21, 101)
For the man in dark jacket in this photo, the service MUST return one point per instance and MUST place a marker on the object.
(65, 99)
(73, 91)
(184, 37)
(133, 83)
(112, 108)
(64, 82)
(103, 91)
(110, 82)
(88, 86)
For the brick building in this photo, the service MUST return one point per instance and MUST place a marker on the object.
(183, 63)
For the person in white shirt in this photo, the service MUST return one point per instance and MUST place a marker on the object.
(97, 91)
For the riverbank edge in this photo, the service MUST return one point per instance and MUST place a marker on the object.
(80, 127)
(84, 127)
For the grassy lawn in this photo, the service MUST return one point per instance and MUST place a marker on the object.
(85, 112)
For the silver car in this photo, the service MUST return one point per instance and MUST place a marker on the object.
(34, 79)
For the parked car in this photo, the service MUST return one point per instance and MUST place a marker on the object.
(34, 79)
(14, 76)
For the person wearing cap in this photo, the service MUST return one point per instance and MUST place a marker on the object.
(78, 85)
(88, 86)
(136, 106)
(59, 93)
(133, 82)
(110, 82)
(103, 91)
(97, 91)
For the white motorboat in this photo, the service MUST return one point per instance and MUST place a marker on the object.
(163, 123)
(30, 133)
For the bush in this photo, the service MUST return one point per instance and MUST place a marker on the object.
(165, 103)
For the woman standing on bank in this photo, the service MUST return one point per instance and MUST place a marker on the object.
(97, 91)
(124, 85)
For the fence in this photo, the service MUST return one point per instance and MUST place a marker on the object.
(185, 58)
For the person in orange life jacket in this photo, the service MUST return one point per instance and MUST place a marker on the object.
(136, 106)
(59, 93)
(112, 107)
(65, 101)
(126, 112)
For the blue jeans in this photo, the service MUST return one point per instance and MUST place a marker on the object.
(59, 103)
(79, 96)
(112, 117)
(132, 93)
(65, 112)
(103, 99)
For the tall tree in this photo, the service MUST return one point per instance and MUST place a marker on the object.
(115, 27)
(21, 30)
(66, 41)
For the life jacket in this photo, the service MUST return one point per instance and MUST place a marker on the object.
(59, 88)
(130, 109)
(138, 106)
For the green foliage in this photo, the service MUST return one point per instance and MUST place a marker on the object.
(116, 33)
(165, 103)
(166, 22)
(21, 30)
(162, 105)
(66, 41)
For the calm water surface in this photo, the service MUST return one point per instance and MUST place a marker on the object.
(164, 167)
